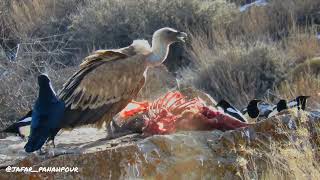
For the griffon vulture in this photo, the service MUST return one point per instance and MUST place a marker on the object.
(109, 79)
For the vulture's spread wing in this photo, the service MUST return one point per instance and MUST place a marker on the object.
(104, 85)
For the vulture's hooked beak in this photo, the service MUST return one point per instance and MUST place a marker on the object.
(182, 36)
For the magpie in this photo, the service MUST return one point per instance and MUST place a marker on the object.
(252, 110)
(299, 102)
(232, 111)
(265, 109)
(21, 127)
(281, 105)
(47, 112)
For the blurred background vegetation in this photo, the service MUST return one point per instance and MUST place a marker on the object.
(270, 51)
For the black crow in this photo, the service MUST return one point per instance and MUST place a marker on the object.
(47, 113)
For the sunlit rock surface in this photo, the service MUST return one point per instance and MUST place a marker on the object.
(285, 147)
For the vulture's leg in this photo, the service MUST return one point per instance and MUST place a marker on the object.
(131, 126)
(112, 129)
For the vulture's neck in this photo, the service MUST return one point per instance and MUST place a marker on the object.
(159, 53)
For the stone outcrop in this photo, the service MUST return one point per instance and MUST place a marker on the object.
(283, 147)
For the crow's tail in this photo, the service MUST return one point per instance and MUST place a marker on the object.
(36, 140)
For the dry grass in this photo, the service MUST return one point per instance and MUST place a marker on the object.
(274, 20)
(302, 46)
(236, 72)
(255, 51)
(306, 84)
(236, 56)
(115, 23)
(36, 18)
(240, 70)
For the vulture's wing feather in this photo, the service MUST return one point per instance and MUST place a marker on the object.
(89, 63)
(105, 83)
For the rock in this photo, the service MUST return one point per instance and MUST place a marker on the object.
(283, 147)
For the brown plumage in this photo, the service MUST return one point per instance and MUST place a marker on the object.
(109, 79)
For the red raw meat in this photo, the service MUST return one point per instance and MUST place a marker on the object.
(175, 112)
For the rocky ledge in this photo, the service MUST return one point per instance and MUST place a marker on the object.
(284, 147)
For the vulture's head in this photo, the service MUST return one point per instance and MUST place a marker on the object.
(168, 36)
(161, 41)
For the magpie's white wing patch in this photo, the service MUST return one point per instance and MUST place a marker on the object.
(244, 110)
(28, 119)
(232, 110)
(292, 103)
(265, 108)
(24, 130)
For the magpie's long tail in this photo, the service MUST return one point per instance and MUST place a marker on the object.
(11, 129)
(14, 127)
